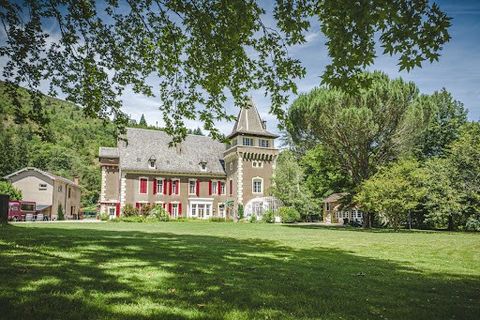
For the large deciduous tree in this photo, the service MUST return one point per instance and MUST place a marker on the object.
(445, 120)
(198, 52)
(362, 131)
(393, 192)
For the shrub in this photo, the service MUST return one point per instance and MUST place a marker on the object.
(240, 212)
(253, 218)
(103, 216)
(158, 213)
(268, 216)
(60, 214)
(289, 214)
(129, 210)
(473, 224)
(217, 219)
(8, 189)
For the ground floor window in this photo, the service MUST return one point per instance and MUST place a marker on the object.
(201, 210)
(174, 212)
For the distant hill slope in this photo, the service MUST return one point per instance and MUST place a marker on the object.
(71, 149)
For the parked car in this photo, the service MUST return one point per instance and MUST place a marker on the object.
(18, 210)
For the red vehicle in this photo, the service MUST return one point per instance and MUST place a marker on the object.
(17, 210)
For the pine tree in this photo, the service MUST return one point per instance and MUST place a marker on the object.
(143, 122)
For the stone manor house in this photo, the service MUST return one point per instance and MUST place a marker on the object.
(198, 178)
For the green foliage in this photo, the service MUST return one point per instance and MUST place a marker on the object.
(104, 216)
(71, 151)
(465, 159)
(289, 214)
(198, 53)
(60, 213)
(129, 210)
(268, 216)
(473, 224)
(289, 185)
(139, 218)
(240, 212)
(362, 131)
(323, 174)
(445, 120)
(7, 188)
(393, 192)
(253, 218)
(158, 213)
(442, 202)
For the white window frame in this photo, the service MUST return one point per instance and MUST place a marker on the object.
(266, 141)
(42, 186)
(159, 191)
(250, 140)
(178, 186)
(140, 184)
(194, 204)
(214, 187)
(151, 164)
(175, 206)
(223, 187)
(194, 187)
(261, 185)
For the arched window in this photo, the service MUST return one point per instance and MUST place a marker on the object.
(257, 185)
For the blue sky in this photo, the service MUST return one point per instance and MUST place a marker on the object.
(458, 69)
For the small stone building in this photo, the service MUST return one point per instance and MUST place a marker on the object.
(334, 212)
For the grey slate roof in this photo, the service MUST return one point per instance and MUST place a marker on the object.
(184, 158)
(107, 152)
(249, 122)
(45, 173)
(335, 197)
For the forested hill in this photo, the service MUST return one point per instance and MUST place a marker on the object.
(71, 149)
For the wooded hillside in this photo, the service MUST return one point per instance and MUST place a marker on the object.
(68, 148)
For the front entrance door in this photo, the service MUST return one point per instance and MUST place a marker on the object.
(111, 212)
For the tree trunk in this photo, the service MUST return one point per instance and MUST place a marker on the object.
(451, 226)
(4, 199)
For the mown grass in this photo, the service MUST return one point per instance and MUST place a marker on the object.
(235, 271)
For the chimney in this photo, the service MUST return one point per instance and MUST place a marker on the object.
(264, 124)
(76, 180)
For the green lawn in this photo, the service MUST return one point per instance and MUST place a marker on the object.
(235, 271)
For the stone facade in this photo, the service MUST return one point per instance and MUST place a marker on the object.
(200, 177)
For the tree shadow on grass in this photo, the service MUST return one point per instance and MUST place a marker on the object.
(98, 274)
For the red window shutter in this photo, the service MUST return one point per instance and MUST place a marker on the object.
(154, 184)
(165, 186)
(169, 187)
(198, 188)
(180, 209)
(219, 187)
(210, 187)
(231, 187)
(143, 185)
(170, 208)
(163, 205)
(177, 186)
(118, 210)
(137, 205)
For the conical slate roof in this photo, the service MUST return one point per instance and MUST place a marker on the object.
(249, 122)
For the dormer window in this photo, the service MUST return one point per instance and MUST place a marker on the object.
(151, 162)
(203, 165)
